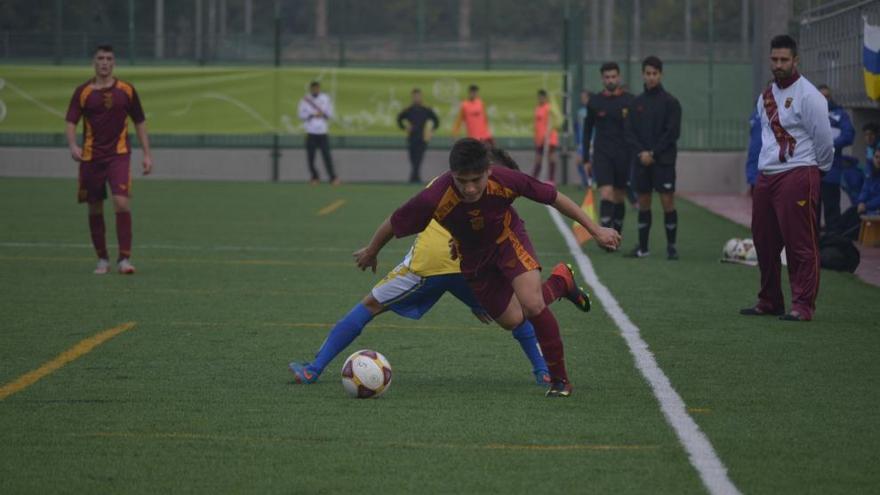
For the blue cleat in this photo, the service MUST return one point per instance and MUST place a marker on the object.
(542, 378)
(303, 374)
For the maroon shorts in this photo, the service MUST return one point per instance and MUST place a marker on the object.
(492, 280)
(94, 175)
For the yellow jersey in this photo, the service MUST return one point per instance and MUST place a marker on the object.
(429, 254)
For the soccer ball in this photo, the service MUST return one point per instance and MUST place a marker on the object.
(366, 374)
(731, 249)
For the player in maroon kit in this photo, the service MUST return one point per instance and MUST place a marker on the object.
(473, 201)
(105, 103)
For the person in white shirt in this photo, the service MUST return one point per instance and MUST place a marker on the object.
(797, 148)
(315, 110)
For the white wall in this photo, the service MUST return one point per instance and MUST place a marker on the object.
(703, 172)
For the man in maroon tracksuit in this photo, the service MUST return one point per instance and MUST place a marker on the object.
(797, 146)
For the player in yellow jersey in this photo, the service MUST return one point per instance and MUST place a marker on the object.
(413, 287)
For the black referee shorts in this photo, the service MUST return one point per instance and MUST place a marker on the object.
(612, 169)
(660, 178)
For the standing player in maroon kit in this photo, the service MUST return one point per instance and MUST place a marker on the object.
(105, 103)
(473, 201)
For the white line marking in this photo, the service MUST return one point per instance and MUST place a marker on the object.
(33, 100)
(702, 456)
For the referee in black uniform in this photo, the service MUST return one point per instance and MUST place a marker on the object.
(413, 120)
(611, 157)
(652, 129)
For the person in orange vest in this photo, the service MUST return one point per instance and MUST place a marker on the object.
(473, 113)
(546, 138)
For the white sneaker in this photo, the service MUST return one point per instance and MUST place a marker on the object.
(125, 267)
(103, 267)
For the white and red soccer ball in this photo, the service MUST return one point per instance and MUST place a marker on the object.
(366, 374)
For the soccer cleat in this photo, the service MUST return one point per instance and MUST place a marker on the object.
(671, 253)
(542, 378)
(792, 316)
(102, 268)
(577, 295)
(314, 182)
(125, 267)
(302, 373)
(559, 388)
(335, 182)
(754, 311)
(637, 253)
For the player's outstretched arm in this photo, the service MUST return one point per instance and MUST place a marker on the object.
(367, 257)
(607, 238)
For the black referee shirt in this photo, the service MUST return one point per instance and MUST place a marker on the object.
(654, 124)
(417, 115)
(606, 112)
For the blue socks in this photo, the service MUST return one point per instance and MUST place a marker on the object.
(525, 335)
(341, 335)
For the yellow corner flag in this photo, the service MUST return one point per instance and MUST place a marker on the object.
(589, 208)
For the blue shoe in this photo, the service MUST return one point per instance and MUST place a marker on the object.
(303, 374)
(542, 378)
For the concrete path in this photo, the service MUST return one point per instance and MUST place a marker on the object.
(738, 208)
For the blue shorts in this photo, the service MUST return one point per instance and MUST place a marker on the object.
(412, 296)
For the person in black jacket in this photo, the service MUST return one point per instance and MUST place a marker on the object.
(652, 129)
(611, 157)
(413, 119)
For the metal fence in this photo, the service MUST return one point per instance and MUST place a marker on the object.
(832, 39)
(706, 38)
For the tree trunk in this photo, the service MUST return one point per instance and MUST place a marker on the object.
(464, 20)
(248, 17)
(159, 33)
(608, 22)
(321, 19)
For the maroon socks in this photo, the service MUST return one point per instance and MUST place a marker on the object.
(96, 228)
(123, 233)
(547, 331)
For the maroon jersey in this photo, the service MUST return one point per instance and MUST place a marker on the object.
(477, 227)
(105, 112)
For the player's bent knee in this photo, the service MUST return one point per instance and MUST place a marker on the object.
(372, 305)
(532, 309)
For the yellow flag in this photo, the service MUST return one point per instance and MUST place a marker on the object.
(589, 208)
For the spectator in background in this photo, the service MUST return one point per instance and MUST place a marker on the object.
(866, 203)
(579, 138)
(754, 150)
(413, 120)
(546, 137)
(472, 112)
(843, 133)
(316, 110)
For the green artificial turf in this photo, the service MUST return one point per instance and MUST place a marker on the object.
(236, 279)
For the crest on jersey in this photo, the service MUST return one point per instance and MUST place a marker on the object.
(788, 102)
(625, 112)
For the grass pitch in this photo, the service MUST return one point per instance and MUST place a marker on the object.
(237, 279)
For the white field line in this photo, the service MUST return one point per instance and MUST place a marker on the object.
(33, 100)
(702, 456)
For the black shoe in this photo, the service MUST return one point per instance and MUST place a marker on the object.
(754, 311)
(792, 317)
(671, 253)
(559, 388)
(636, 253)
